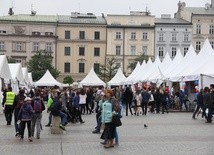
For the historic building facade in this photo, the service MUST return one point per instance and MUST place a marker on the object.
(21, 36)
(81, 44)
(129, 36)
(202, 19)
(172, 34)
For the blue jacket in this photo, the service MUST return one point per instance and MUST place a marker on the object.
(59, 105)
(25, 113)
(107, 112)
(76, 100)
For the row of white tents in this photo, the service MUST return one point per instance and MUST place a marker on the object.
(191, 67)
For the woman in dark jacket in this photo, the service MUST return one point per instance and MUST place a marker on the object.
(25, 116)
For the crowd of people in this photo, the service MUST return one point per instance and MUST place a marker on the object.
(70, 104)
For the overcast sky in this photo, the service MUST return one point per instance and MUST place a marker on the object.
(65, 7)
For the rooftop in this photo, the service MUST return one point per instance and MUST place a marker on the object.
(200, 10)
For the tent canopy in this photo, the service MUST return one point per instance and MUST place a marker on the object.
(4, 68)
(92, 79)
(16, 71)
(47, 80)
(118, 78)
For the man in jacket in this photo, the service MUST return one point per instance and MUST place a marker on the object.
(8, 102)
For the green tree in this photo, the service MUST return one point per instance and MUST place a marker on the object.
(11, 60)
(41, 62)
(108, 70)
(140, 59)
(68, 79)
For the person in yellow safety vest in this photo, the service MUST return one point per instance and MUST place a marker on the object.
(8, 104)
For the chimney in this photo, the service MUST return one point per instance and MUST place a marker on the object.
(10, 12)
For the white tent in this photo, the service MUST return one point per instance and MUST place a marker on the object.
(118, 78)
(30, 79)
(4, 68)
(133, 74)
(17, 76)
(47, 80)
(92, 79)
(25, 83)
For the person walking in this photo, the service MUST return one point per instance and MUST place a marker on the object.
(25, 116)
(199, 103)
(38, 107)
(17, 106)
(127, 99)
(145, 100)
(8, 104)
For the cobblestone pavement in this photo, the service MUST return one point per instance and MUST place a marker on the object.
(168, 134)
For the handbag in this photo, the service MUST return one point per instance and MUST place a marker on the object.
(116, 120)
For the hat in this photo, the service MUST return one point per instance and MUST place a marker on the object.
(102, 93)
(28, 99)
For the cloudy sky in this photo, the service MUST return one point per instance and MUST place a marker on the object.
(65, 7)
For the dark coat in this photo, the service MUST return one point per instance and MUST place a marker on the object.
(25, 113)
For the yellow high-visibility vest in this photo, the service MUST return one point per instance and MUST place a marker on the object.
(10, 96)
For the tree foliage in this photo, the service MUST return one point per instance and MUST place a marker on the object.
(41, 62)
(11, 60)
(68, 79)
(140, 59)
(108, 70)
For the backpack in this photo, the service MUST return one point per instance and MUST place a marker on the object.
(20, 102)
(37, 105)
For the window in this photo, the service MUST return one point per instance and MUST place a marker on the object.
(198, 46)
(161, 37)
(49, 33)
(2, 45)
(211, 31)
(81, 67)
(133, 50)
(212, 44)
(97, 35)
(97, 68)
(144, 50)
(160, 51)
(174, 51)
(18, 60)
(173, 37)
(118, 50)
(67, 51)
(82, 35)
(2, 32)
(186, 37)
(198, 29)
(186, 50)
(133, 35)
(118, 35)
(144, 36)
(35, 46)
(67, 67)
(81, 51)
(96, 51)
(36, 33)
(49, 47)
(18, 46)
(67, 35)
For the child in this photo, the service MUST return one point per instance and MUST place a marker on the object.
(25, 115)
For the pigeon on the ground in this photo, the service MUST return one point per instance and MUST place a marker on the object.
(145, 126)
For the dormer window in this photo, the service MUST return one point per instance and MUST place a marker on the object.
(2, 32)
(36, 33)
(48, 33)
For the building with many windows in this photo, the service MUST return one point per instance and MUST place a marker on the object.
(129, 36)
(81, 44)
(202, 19)
(172, 34)
(21, 36)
